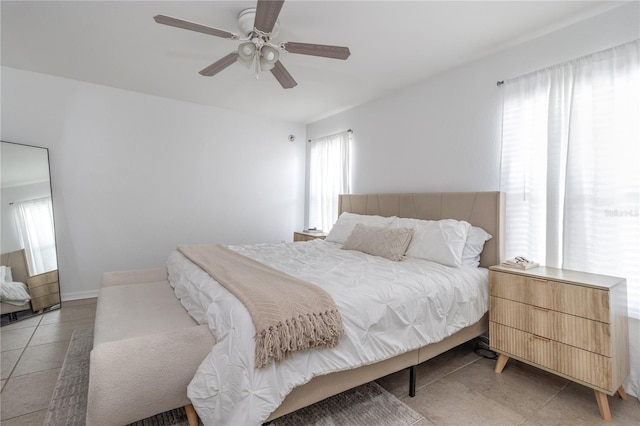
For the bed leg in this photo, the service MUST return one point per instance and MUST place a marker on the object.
(192, 416)
(412, 381)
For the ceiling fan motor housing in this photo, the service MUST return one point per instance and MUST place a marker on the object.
(246, 19)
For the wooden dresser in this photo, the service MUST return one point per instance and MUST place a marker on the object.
(569, 323)
(44, 290)
(308, 236)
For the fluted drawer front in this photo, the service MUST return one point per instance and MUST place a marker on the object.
(581, 301)
(520, 288)
(38, 303)
(43, 290)
(571, 361)
(580, 332)
(43, 279)
(586, 302)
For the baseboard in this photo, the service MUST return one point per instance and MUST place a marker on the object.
(76, 295)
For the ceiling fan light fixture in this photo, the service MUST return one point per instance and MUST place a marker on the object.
(247, 50)
(269, 54)
(266, 66)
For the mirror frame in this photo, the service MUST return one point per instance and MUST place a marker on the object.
(13, 317)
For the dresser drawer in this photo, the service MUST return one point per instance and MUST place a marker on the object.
(43, 290)
(42, 279)
(593, 336)
(581, 301)
(46, 301)
(586, 302)
(520, 288)
(570, 361)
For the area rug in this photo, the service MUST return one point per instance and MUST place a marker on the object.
(368, 404)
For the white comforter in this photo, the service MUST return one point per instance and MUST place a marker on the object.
(387, 308)
(14, 293)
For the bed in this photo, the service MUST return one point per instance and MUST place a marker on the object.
(228, 389)
(17, 261)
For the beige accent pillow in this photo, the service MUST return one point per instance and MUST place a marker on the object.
(390, 243)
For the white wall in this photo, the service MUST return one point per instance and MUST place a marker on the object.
(134, 175)
(444, 134)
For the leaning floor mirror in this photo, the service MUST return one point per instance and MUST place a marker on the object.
(28, 263)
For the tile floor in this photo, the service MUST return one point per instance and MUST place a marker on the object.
(455, 388)
(461, 388)
(32, 354)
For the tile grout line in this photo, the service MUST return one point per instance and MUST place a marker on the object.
(21, 353)
(16, 364)
(27, 345)
(545, 403)
(449, 373)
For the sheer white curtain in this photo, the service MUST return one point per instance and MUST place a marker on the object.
(34, 220)
(328, 177)
(571, 171)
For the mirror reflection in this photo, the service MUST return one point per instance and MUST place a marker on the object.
(28, 261)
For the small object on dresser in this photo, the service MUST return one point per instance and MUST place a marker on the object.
(520, 263)
(312, 230)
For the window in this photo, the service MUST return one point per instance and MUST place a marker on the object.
(570, 155)
(328, 177)
(34, 220)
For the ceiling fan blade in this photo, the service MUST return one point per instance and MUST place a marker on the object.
(267, 12)
(220, 64)
(282, 75)
(192, 26)
(335, 52)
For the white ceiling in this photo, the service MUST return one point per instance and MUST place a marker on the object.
(393, 45)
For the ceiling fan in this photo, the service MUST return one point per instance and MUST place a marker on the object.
(257, 50)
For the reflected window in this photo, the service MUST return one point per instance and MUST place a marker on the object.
(34, 223)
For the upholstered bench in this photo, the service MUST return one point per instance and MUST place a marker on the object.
(146, 350)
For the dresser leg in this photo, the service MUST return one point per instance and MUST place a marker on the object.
(192, 416)
(603, 405)
(621, 393)
(502, 361)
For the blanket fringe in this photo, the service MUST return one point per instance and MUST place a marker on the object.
(313, 330)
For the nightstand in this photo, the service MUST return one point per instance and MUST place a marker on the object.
(308, 236)
(569, 323)
(44, 290)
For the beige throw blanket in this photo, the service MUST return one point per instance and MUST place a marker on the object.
(289, 314)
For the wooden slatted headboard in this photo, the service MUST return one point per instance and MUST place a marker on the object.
(483, 209)
(17, 260)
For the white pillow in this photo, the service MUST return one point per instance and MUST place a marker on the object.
(347, 221)
(5, 274)
(439, 241)
(474, 246)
